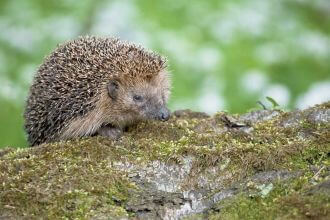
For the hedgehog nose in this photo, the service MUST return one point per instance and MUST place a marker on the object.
(164, 114)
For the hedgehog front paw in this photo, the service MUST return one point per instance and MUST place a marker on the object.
(111, 132)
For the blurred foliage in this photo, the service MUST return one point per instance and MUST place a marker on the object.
(224, 55)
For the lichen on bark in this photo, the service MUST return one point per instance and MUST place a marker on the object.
(265, 164)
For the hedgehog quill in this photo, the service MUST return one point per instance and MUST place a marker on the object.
(95, 86)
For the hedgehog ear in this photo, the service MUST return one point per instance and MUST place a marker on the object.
(113, 88)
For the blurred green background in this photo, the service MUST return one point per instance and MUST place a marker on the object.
(224, 55)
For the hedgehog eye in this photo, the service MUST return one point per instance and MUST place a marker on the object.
(137, 98)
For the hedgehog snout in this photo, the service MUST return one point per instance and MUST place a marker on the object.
(164, 114)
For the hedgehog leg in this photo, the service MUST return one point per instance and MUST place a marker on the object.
(110, 131)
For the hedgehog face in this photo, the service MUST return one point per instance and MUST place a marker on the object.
(141, 99)
(148, 104)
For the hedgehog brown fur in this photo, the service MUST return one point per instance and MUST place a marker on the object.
(94, 86)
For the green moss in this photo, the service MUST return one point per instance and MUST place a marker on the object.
(77, 178)
(312, 155)
(286, 201)
(62, 179)
(270, 146)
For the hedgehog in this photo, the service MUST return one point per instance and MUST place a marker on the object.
(95, 86)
